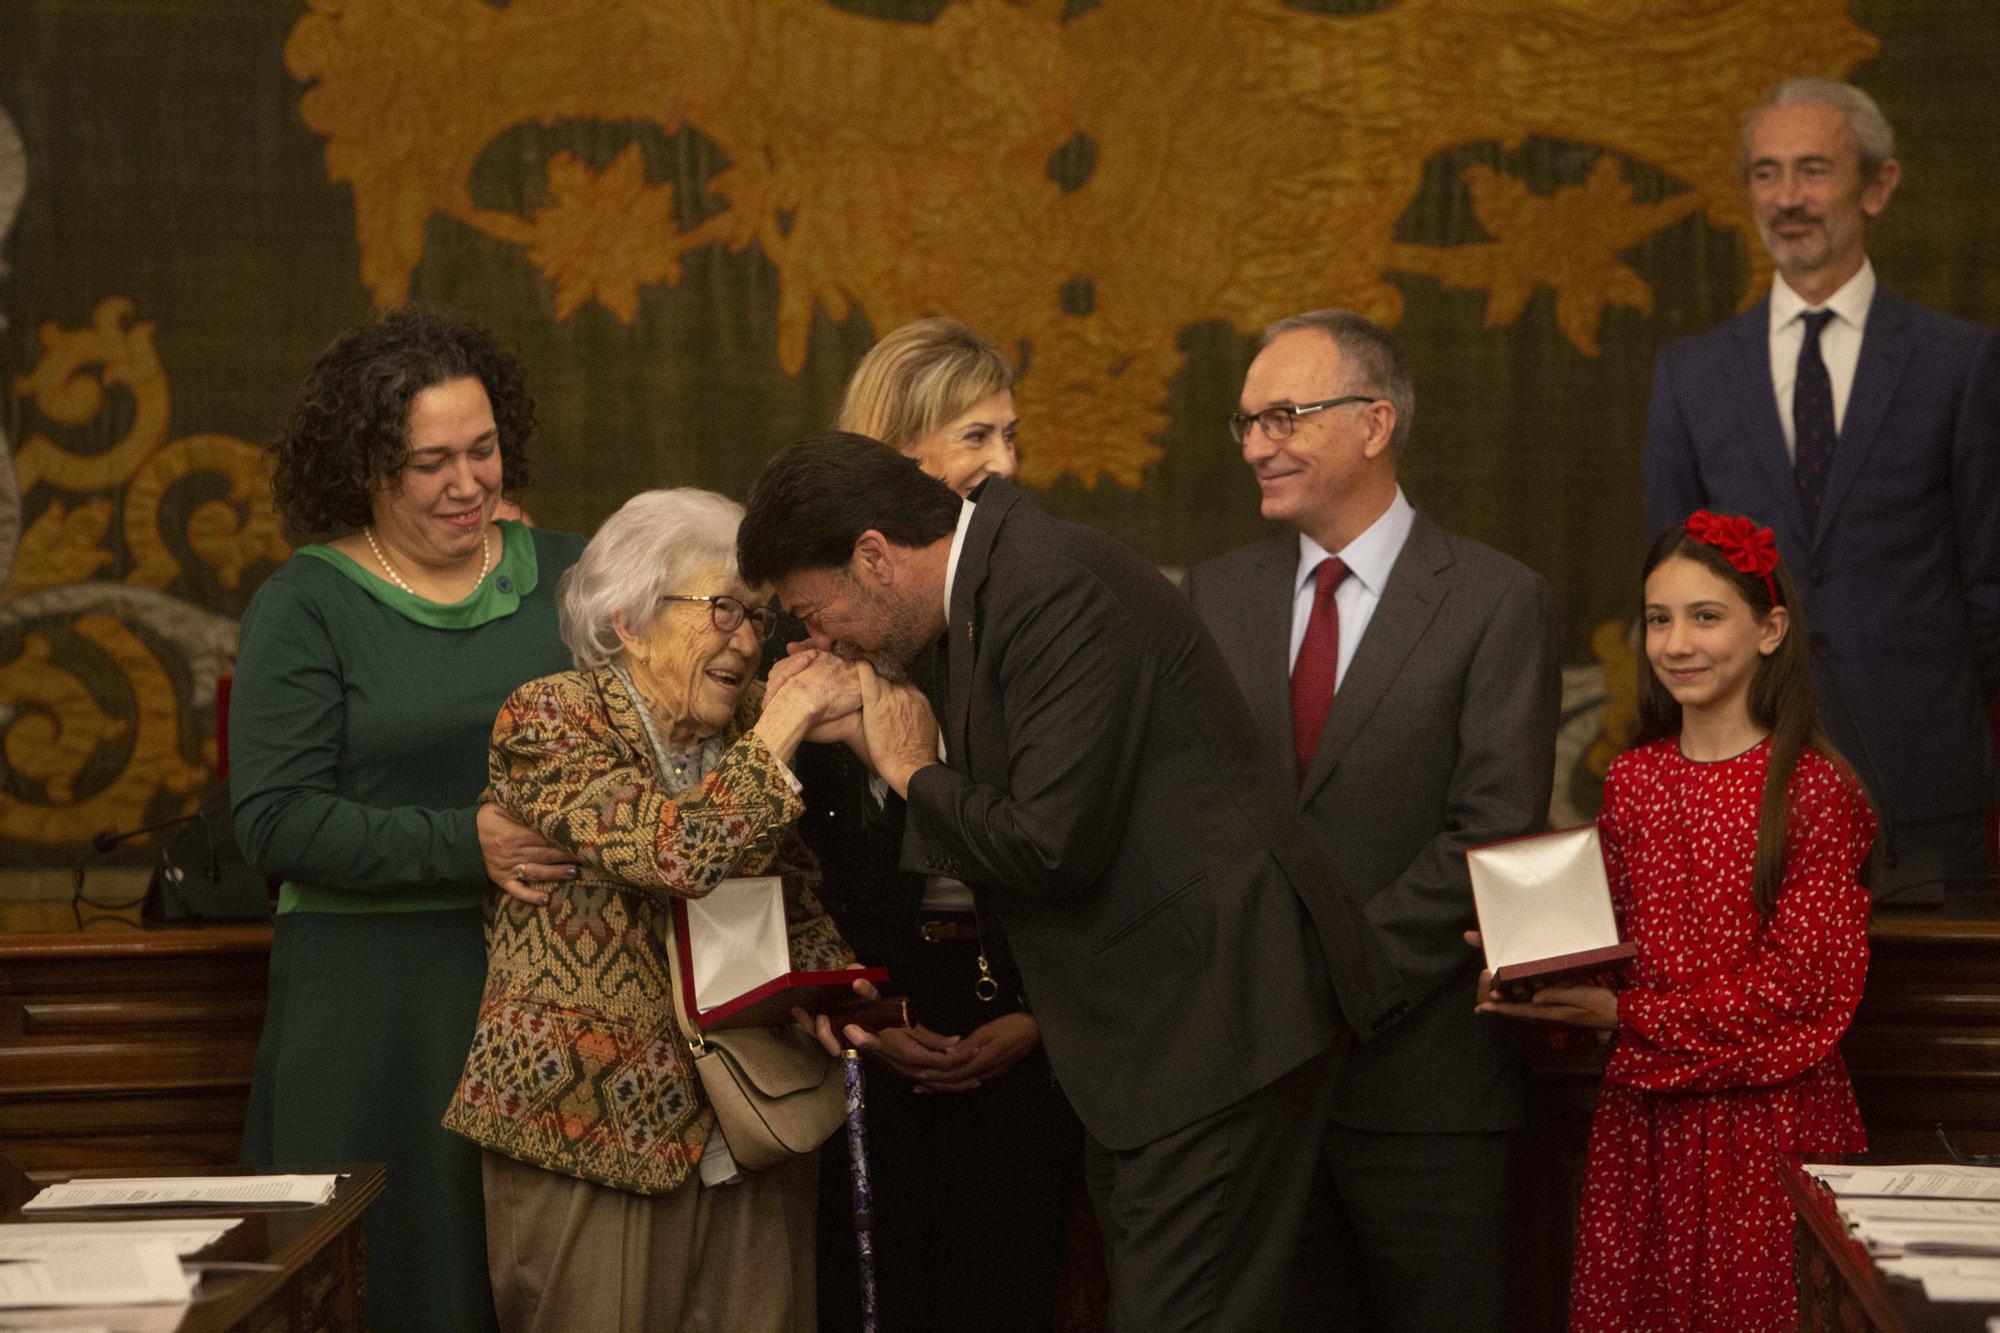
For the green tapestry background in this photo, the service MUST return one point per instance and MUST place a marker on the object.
(692, 221)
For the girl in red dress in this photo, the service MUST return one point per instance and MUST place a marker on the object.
(1734, 837)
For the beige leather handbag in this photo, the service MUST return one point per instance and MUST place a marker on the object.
(776, 1094)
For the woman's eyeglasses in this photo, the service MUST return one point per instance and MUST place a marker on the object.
(727, 612)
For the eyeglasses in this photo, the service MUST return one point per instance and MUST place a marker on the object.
(1278, 422)
(727, 613)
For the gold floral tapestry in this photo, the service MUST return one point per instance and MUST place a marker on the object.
(692, 220)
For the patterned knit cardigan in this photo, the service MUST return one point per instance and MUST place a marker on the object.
(577, 1063)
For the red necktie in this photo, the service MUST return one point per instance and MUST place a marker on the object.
(1314, 673)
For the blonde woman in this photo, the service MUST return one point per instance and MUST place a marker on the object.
(975, 1155)
(942, 394)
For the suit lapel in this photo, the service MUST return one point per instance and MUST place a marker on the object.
(1410, 600)
(1885, 347)
(1749, 374)
(1265, 619)
(961, 628)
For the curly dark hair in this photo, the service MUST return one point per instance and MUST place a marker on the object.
(347, 431)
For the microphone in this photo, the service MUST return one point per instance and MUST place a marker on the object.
(104, 842)
(209, 881)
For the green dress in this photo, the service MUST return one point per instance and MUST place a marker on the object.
(358, 733)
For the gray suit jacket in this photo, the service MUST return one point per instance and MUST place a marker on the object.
(1181, 940)
(1442, 737)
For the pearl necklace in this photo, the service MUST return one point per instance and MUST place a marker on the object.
(485, 562)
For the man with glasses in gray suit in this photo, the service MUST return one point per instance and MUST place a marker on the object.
(1406, 680)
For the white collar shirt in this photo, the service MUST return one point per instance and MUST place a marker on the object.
(965, 508)
(941, 892)
(1839, 344)
(1368, 558)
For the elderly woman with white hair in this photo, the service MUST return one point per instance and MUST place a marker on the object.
(663, 765)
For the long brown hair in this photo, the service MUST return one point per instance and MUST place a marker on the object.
(1781, 696)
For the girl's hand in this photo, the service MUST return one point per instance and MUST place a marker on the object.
(1580, 1006)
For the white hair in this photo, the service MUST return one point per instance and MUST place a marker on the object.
(1874, 140)
(656, 543)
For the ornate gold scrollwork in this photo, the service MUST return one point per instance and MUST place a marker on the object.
(106, 671)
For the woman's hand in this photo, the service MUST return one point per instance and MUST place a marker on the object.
(937, 1063)
(988, 1051)
(805, 691)
(1579, 1006)
(824, 685)
(913, 1052)
(820, 1028)
(518, 858)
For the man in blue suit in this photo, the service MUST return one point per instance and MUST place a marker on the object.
(1865, 430)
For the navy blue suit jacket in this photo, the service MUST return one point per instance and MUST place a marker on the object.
(1901, 575)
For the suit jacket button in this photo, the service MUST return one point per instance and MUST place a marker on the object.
(1817, 575)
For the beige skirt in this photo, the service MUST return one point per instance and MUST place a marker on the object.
(567, 1256)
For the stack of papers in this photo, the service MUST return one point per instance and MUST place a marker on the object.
(47, 1240)
(188, 1191)
(132, 1272)
(1938, 1225)
(126, 1272)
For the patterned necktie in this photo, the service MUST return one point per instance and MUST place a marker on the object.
(1314, 674)
(1812, 418)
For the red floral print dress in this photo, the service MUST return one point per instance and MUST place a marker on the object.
(1727, 1043)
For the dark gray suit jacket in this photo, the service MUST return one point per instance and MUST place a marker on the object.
(1442, 737)
(1181, 940)
(1901, 574)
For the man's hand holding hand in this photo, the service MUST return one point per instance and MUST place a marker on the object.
(897, 728)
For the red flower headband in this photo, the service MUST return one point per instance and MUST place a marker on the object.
(1748, 548)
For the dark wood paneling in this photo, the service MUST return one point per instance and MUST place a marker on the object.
(128, 1048)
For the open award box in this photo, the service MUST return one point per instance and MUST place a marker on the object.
(1544, 908)
(736, 965)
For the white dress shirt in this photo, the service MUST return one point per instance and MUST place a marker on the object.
(941, 892)
(965, 508)
(1368, 558)
(1839, 344)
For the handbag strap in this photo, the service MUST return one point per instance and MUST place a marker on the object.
(690, 1030)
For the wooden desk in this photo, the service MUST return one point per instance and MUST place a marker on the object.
(317, 1254)
(127, 1047)
(1840, 1289)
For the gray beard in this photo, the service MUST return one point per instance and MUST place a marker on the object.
(904, 639)
(886, 667)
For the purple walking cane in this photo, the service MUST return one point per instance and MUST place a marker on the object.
(864, 1198)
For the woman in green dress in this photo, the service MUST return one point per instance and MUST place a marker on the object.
(370, 668)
